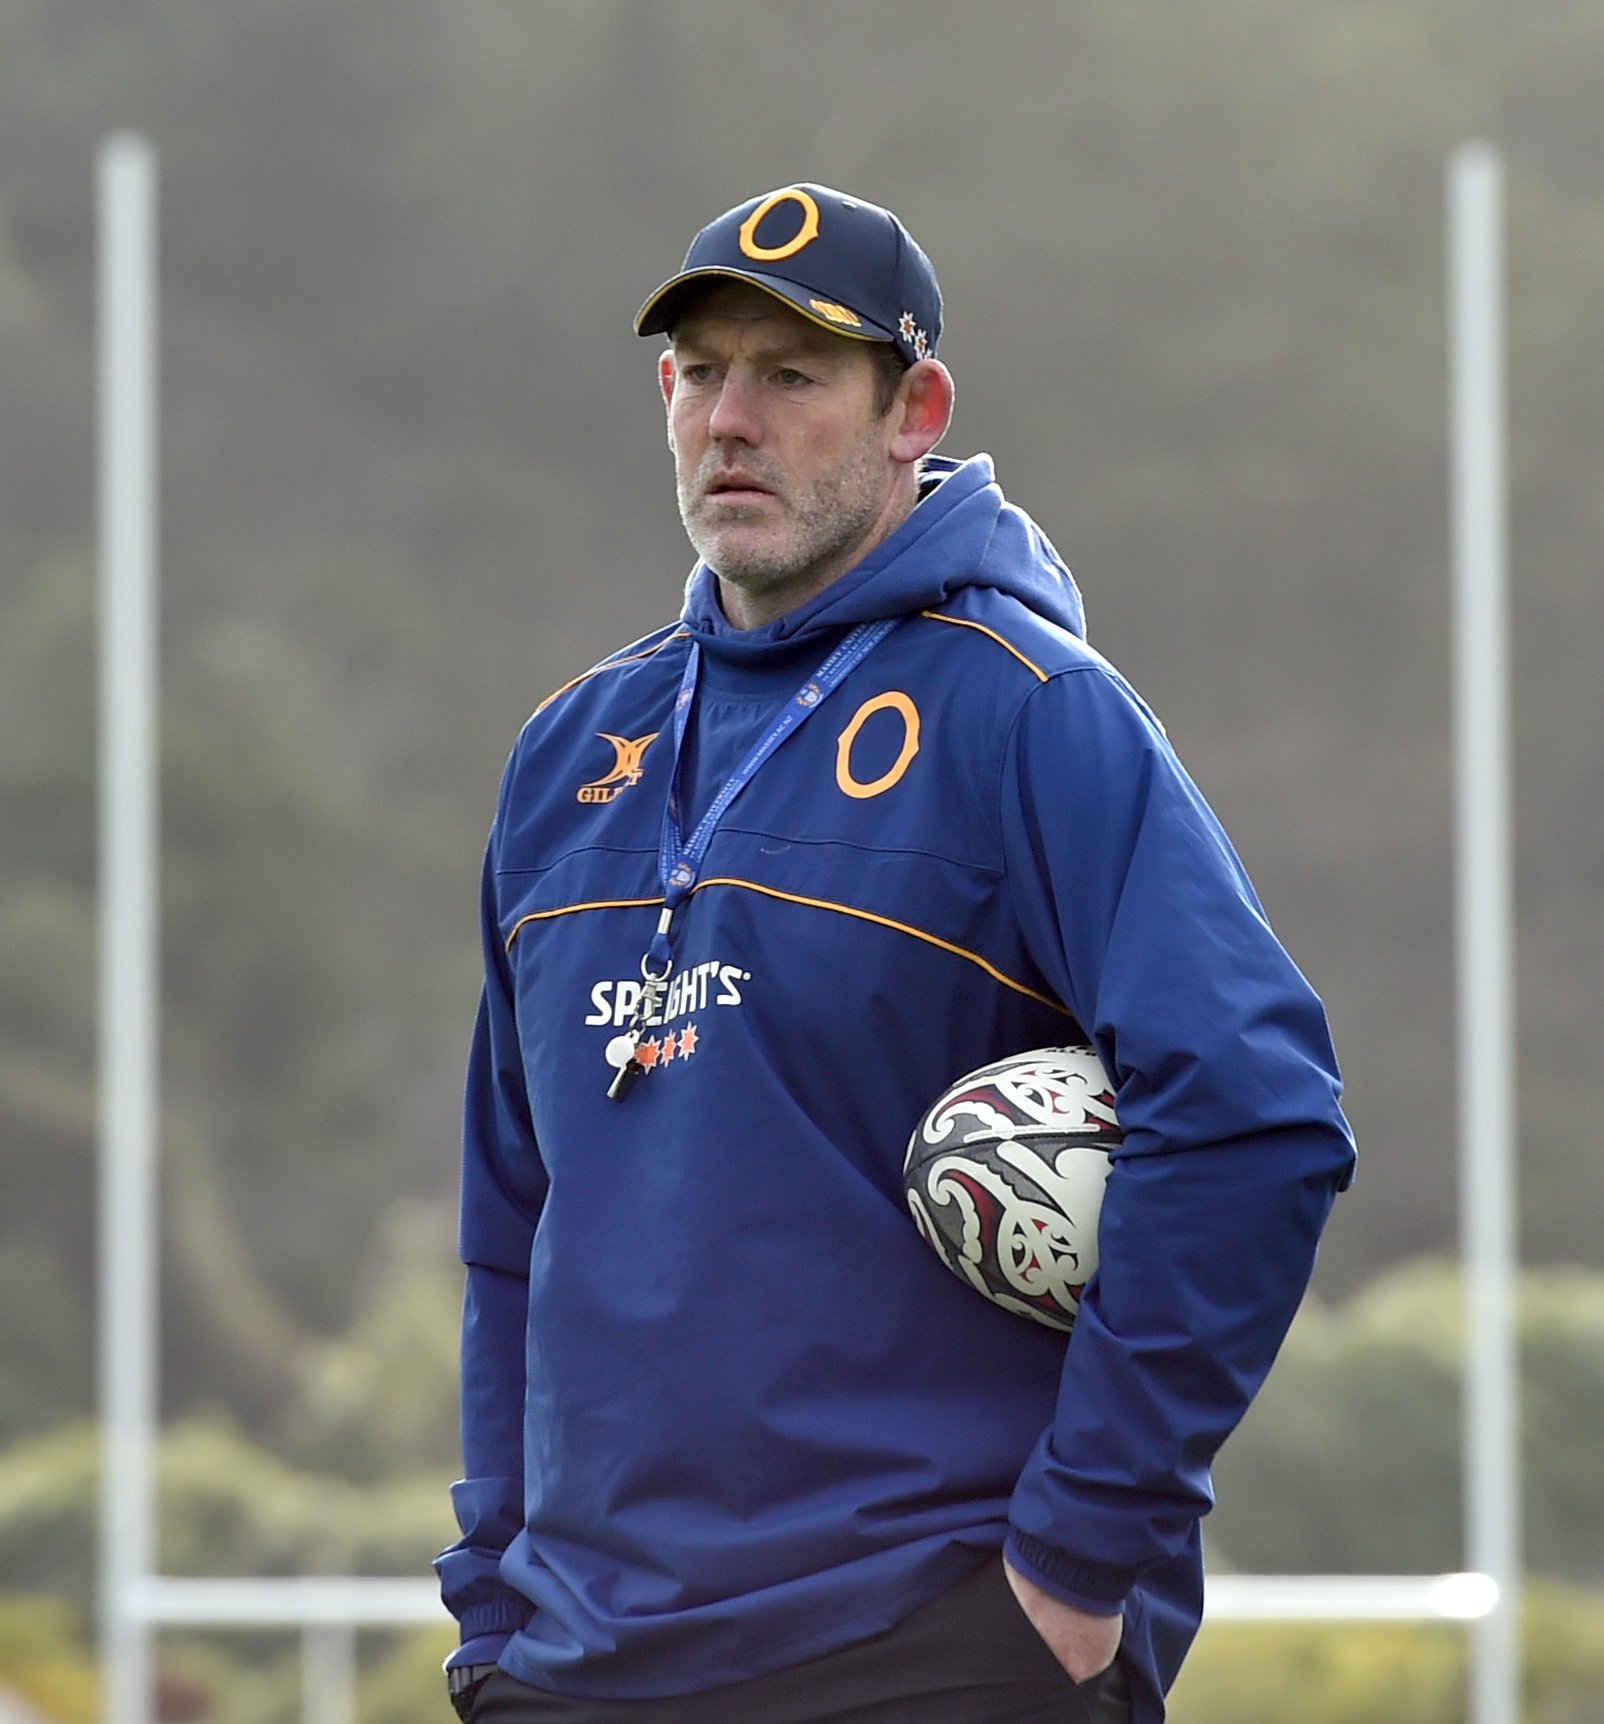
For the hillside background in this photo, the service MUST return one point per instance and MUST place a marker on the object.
(414, 478)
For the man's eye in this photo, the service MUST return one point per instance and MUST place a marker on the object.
(790, 378)
(697, 373)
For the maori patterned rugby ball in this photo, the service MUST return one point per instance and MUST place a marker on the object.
(1004, 1176)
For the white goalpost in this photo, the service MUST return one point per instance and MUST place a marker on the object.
(129, 897)
(135, 1598)
(1484, 919)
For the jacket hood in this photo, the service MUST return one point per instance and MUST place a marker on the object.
(963, 533)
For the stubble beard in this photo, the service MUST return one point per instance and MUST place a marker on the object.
(819, 527)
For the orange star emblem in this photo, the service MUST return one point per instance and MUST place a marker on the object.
(688, 1039)
(670, 1045)
(647, 1054)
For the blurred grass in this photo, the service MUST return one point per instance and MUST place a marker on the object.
(43, 1659)
(1405, 1673)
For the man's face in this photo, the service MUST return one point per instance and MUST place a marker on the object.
(782, 458)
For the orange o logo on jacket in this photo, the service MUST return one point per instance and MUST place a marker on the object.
(893, 701)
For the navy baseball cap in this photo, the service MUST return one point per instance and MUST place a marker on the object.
(849, 266)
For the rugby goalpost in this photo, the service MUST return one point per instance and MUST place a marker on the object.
(135, 1600)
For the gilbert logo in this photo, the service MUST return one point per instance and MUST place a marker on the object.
(626, 770)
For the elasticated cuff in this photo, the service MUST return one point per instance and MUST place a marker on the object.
(503, 1613)
(1090, 1586)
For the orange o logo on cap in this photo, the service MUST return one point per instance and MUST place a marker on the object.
(805, 235)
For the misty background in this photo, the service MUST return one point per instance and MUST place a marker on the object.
(414, 477)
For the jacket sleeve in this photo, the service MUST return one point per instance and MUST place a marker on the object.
(1141, 916)
(503, 1185)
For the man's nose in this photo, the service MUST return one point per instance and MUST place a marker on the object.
(735, 413)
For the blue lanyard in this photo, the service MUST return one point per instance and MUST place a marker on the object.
(679, 859)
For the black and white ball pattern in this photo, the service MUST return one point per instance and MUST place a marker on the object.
(1004, 1176)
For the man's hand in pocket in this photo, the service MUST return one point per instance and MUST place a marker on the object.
(1083, 1643)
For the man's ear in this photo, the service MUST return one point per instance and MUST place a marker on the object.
(924, 408)
(666, 374)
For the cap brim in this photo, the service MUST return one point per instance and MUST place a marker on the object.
(660, 313)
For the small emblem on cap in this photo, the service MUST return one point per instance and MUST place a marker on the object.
(910, 331)
(805, 235)
(836, 313)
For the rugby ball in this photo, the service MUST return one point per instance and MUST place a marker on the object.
(1004, 1177)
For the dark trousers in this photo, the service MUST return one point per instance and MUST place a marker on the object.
(968, 1657)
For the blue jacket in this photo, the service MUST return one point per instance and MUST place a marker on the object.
(723, 1409)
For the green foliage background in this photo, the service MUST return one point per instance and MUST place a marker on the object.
(1349, 1462)
(414, 478)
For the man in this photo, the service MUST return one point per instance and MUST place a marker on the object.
(760, 886)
